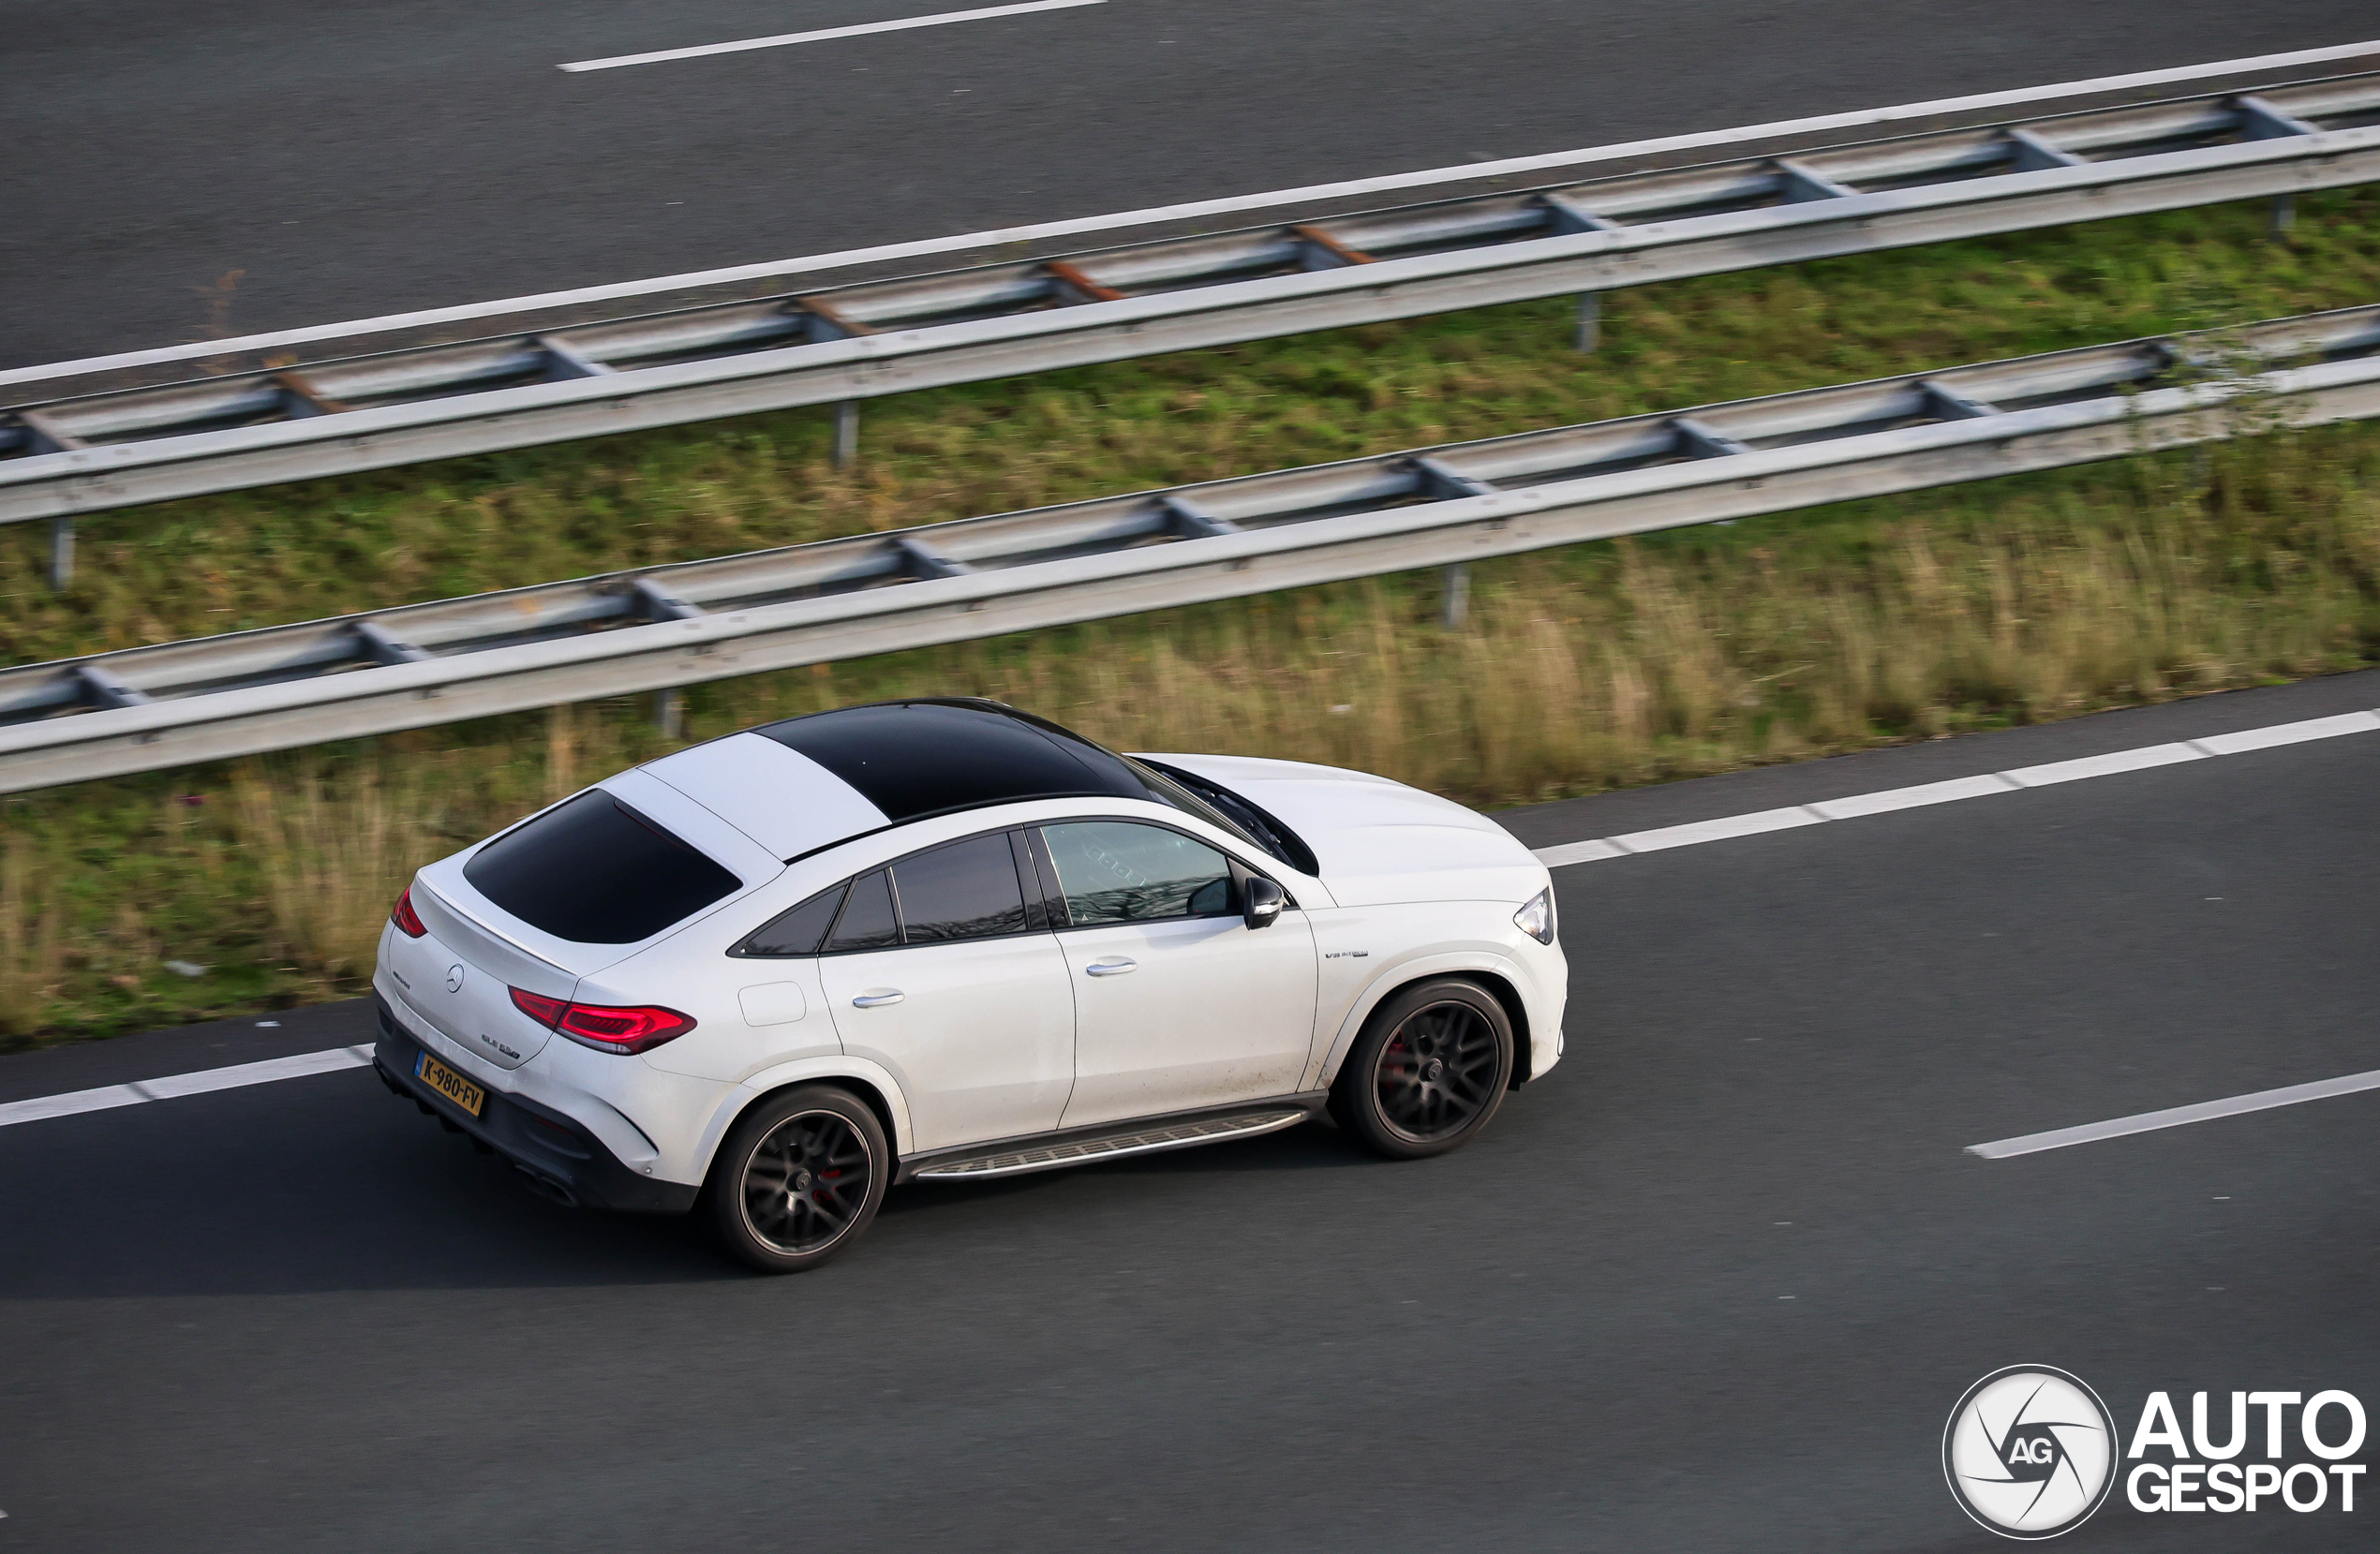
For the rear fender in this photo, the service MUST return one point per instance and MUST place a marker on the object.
(801, 1072)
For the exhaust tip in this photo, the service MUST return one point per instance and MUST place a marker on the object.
(545, 1187)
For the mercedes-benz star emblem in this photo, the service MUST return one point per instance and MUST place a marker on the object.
(2029, 1452)
(454, 978)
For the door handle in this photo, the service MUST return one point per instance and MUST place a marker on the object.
(1112, 965)
(879, 998)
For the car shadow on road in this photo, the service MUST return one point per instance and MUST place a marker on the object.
(250, 1196)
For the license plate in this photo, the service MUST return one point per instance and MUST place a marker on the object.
(448, 1083)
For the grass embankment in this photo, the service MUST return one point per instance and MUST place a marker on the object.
(2029, 598)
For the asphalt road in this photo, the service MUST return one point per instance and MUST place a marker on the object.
(179, 172)
(1714, 1284)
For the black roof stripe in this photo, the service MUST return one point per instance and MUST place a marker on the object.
(932, 757)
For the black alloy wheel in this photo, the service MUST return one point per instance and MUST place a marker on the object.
(799, 1179)
(1429, 1069)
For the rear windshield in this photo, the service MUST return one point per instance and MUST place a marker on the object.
(595, 871)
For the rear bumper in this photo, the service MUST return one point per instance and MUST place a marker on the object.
(564, 1160)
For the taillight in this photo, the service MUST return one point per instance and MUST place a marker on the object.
(407, 921)
(537, 1007)
(602, 1027)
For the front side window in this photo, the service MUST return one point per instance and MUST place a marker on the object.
(967, 890)
(1115, 872)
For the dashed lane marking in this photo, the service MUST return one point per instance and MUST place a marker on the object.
(234, 1077)
(2144, 758)
(2175, 1116)
(903, 24)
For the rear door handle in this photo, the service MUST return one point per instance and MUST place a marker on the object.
(1112, 966)
(879, 997)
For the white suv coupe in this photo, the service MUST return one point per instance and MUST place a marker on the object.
(773, 975)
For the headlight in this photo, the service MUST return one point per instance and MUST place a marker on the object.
(1536, 919)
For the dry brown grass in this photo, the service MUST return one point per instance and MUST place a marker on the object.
(331, 852)
(32, 957)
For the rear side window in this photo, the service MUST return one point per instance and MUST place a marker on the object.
(967, 890)
(800, 931)
(868, 923)
(595, 871)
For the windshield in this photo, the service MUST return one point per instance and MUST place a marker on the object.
(1220, 806)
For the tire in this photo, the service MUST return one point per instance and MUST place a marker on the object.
(782, 1193)
(1427, 1072)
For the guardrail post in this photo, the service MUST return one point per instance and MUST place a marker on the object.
(1590, 325)
(61, 552)
(1454, 596)
(2284, 215)
(669, 713)
(846, 433)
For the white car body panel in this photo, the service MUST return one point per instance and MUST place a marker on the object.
(1380, 841)
(787, 803)
(627, 1106)
(1209, 1013)
(982, 1041)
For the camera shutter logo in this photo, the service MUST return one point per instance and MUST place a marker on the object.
(2029, 1452)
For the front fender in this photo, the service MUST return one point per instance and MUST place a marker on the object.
(1401, 974)
(803, 1071)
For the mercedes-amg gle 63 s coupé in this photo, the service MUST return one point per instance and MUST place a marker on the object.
(771, 976)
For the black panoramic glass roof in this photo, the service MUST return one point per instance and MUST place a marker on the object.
(916, 759)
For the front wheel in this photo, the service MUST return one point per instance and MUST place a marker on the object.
(1427, 1072)
(799, 1179)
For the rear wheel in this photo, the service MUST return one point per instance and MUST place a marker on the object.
(1428, 1071)
(799, 1179)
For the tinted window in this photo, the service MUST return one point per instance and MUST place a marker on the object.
(595, 871)
(1113, 871)
(967, 890)
(868, 922)
(798, 932)
(914, 759)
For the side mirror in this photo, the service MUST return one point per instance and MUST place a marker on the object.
(1264, 899)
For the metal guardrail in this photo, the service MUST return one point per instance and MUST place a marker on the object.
(145, 708)
(90, 453)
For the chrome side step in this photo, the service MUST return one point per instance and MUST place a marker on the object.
(1143, 1140)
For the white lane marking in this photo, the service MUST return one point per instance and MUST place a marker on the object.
(1577, 852)
(781, 39)
(2289, 734)
(1918, 797)
(1889, 799)
(141, 1091)
(1881, 119)
(2175, 1116)
(1717, 830)
(2102, 765)
(256, 1073)
(69, 1103)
